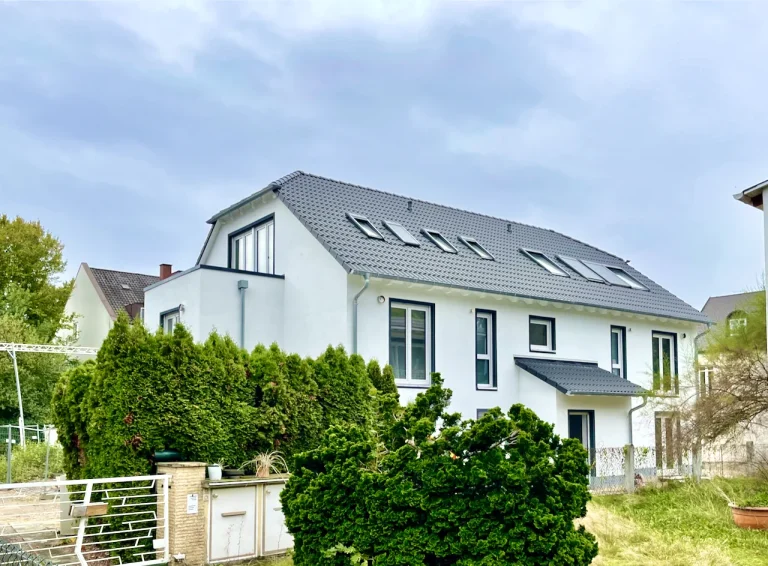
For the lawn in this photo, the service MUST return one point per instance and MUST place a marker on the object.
(683, 524)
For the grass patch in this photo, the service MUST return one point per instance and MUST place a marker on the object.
(28, 463)
(690, 523)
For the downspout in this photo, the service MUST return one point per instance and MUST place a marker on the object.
(242, 285)
(354, 313)
(632, 410)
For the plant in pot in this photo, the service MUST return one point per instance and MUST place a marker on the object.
(214, 470)
(267, 463)
(749, 510)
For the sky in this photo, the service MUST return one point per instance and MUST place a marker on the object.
(125, 126)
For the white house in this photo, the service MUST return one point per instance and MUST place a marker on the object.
(99, 294)
(506, 312)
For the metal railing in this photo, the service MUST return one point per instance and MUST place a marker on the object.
(98, 522)
(12, 439)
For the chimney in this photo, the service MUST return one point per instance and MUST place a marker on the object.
(165, 270)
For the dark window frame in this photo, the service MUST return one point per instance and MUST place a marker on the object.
(410, 384)
(552, 321)
(592, 449)
(252, 226)
(494, 385)
(428, 233)
(356, 218)
(164, 314)
(469, 241)
(623, 330)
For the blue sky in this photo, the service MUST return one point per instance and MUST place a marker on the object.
(626, 125)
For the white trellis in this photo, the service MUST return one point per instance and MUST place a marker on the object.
(13, 349)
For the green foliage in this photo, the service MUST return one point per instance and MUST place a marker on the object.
(210, 402)
(496, 491)
(28, 463)
(384, 382)
(722, 340)
(30, 265)
(37, 373)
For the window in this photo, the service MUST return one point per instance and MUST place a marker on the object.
(438, 239)
(667, 431)
(253, 247)
(541, 333)
(705, 380)
(546, 263)
(737, 321)
(410, 342)
(581, 426)
(485, 349)
(578, 266)
(665, 362)
(365, 226)
(125, 286)
(481, 412)
(618, 352)
(473, 245)
(401, 232)
(626, 278)
(169, 320)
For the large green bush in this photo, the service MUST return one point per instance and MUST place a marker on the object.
(431, 490)
(214, 401)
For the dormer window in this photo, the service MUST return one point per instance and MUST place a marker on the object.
(252, 248)
(365, 226)
(440, 241)
(475, 246)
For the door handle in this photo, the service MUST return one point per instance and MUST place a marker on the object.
(233, 513)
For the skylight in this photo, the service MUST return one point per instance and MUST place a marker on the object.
(475, 246)
(401, 232)
(627, 278)
(365, 226)
(546, 263)
(578, 266)
(438, 239)
(125, 286)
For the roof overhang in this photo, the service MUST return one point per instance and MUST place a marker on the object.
(579, 378)
(753, 196)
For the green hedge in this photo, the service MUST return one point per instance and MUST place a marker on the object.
(214, 401)
(431, 490)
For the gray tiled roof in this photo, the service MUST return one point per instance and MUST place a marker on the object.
(321, 204)
(112, 282)
(718, 308)
(578, 378)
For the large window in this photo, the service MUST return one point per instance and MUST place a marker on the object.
(253, 247)
(618, 351)
(705, 380)
(169, 320)
(541, 333)
(665, 362)
(485, 349)
(410, 342)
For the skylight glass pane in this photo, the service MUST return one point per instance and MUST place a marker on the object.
(626, 278)
(473, 245)
(578, 266)
(401, 232)
(440, 241)
(606, 273)
(365, 226)
(546, 263)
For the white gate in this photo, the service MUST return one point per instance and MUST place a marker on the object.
(100, 522)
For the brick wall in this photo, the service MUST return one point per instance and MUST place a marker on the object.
(187, 530)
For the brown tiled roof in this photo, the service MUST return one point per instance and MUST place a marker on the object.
(122, 288)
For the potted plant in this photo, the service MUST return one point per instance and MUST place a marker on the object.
(749, 511)
(267, 463)
(214, 470)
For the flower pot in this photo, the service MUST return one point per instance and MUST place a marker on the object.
(232, 473)
(750, 517)
(214, 473)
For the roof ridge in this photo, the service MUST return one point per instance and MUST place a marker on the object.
(120, 271)
(298, 173)
(734, 294)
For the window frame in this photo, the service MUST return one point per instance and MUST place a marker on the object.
(705, 374)
(391, 225)
(441, 243)
(675, 385)
(530, 255)
(626, 278)
(667, 440)
(489, 315)
(737, 321)
(589, 423)
(622, 333)
(174, 313)
(477, 248)
(595, 276)
(356, 220)
(550, 323)
(252, 230)
(408, 381)
(480, 413)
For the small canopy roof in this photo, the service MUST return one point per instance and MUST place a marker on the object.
(578, 378)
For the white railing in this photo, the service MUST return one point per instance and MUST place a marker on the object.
(97, 522)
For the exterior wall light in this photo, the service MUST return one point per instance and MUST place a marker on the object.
(381, 299)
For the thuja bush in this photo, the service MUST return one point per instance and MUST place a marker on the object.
(211, 402)
(432, 490)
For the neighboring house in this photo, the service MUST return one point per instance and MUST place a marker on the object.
(506, 312)
(99, 294)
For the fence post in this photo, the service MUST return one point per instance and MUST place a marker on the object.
(47, 450)
(629, 468)
(8, 455)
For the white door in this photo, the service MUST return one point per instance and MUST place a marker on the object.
(233, 522)
(276, 535)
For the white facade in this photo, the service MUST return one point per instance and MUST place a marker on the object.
(93, 319)
(308, 306)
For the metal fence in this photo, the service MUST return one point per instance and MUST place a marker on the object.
(14, 438)
(97, 522)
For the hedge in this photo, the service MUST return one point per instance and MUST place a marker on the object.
(432, 490)
(148, 392)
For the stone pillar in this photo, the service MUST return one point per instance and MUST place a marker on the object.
(187, 512)
(629, 468)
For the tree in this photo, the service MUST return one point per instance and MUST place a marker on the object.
(31, 262)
